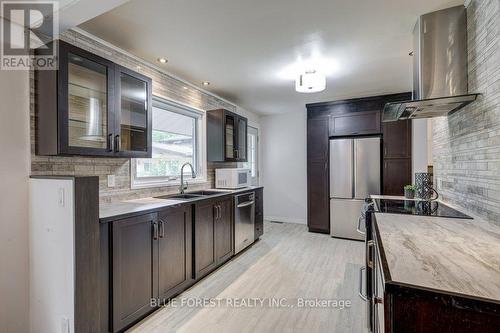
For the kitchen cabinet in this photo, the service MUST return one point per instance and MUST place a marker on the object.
(133, 121)
(151, 257)
(204, 230)
(397, 139)
(396, 174)
(91, 106)
(318, 192)
(259, 213)
(352, 118)
(397, 160)
(213, 234)
(399, 308)
(160, 254)
(355, 123)
(175, 247)
(134, 268)
(223, 230)
(226, 136)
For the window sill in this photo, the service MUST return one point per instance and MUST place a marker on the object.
(167, 183)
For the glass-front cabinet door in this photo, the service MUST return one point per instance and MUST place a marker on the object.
(241, 150)
(230, 138)
(133, 135)
(87, 122)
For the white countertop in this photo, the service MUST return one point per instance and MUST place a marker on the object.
(458, 256)
(123, 208)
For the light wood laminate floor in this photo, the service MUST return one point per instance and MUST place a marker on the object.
(288, 263)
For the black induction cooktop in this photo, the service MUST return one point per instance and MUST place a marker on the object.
(412, 207)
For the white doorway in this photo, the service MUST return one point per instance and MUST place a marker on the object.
(253, 154)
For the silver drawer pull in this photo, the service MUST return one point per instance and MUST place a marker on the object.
(360, 292)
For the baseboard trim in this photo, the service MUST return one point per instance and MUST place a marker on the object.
(285, 219)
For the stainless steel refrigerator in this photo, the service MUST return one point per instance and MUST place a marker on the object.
(354, 175)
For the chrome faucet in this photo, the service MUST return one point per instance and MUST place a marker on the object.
(184, 186)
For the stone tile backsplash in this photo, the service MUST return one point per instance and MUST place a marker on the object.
(466, 144)
(163, 86)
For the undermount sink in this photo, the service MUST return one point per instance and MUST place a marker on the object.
(207, 192)
(191, 195)
(184, 196)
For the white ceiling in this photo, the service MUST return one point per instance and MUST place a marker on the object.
(246, 48)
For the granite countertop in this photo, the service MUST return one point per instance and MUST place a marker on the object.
(122, 209)
(455, 256)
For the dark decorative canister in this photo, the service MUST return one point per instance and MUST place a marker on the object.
(423, 188)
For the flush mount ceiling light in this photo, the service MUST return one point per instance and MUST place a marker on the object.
(162, 60)
(205, 83)
(310, 81)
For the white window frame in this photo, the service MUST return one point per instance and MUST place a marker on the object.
(200, 157)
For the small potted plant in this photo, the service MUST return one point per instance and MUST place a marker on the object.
(409, 191)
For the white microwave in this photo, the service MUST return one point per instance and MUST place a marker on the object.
(232, 178)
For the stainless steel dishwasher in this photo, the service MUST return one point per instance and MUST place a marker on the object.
(244, 221)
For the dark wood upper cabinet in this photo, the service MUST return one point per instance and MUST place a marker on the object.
(92, 106)
(397, 139)
(133, 121)
(226, 136)
(356, 123)
(134, 267)
(175, 246)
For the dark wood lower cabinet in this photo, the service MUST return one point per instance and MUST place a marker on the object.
(175, 249)
(204, 231)
(158, 255)
(318, 196)
(213, 234)
(259, 213)
(135, 268)
(224, 247)
(400, 308)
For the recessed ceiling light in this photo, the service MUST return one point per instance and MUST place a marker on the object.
(138, 67)
(205, 83)
(162, 60)
(185, 88)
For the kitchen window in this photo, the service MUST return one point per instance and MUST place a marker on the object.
(178, 137)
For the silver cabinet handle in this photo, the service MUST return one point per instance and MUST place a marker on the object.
(359, 226)
(216, 212)
(245, 204)
(110, 142)
(155, 231)
(118, 142)
(219, 212)
(161, 228)
(360, 292)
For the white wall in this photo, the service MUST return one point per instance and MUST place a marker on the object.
(284, 158)
(14, 172)
(420, 146)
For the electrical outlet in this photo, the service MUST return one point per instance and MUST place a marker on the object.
(111, 180)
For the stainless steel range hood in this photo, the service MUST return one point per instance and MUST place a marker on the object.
(439, 67)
